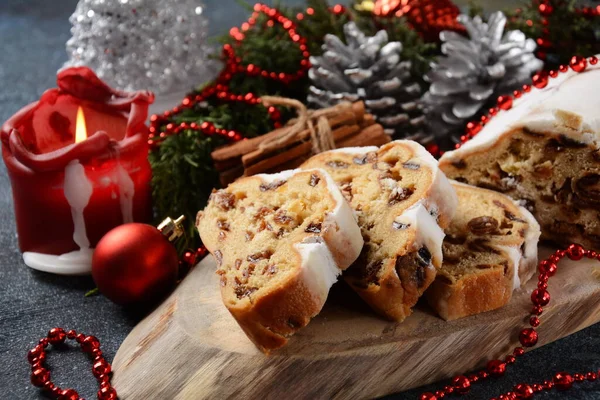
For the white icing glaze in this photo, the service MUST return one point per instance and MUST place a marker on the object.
(568, 105)
(528, 264)
(442, 199)
(342, 214)
(319, 270)
(77, 262)
(280, 176)
(427, 230)
(318, 265)
(514, 254)
(344, 217)
(355, 150)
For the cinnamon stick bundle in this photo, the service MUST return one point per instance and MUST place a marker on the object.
(344, 125)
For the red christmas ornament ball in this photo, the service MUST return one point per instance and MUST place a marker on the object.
(134, 264)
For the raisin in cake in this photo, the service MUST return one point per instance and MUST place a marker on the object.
(280, 241)
(401, 199)
(490, 249)
(545, 152)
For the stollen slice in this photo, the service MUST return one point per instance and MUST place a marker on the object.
(545, 152)
(403, 203)
(490, 250)
(280, 241)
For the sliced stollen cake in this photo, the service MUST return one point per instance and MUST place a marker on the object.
(490, 249)
(280, 241)
(403, 202)
(545, 152)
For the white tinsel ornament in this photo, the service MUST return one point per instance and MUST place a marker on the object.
(368, 69)
(141, 44)
(474, 72)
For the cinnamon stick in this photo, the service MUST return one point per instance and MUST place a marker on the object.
(226, 177)
(370, 136)
(338, 134)
(368, 120)
(278, 159)
(355, 114)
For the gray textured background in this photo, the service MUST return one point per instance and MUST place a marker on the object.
(32, 37)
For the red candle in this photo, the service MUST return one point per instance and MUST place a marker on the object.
(77, 161)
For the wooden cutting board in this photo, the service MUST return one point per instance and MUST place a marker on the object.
(191, 348)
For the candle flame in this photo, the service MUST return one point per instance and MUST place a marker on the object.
(80, 129)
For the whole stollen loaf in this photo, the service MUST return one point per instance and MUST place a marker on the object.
(280, 241)
(544, 152)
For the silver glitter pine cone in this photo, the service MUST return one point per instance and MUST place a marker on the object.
(142, 44)
(473, 73)
(368, 69)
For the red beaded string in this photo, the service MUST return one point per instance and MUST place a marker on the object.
(40, 375)
(539, 80)
(528, 337)
(545, 9)
(160, 127)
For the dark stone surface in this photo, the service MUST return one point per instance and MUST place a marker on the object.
(32, 37)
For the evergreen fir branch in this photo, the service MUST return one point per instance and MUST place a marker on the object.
(183, 172)
(570, 32)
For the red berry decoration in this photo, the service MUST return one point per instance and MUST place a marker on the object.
(528, 337)
(523, 391)
(505, 102)
(462, 384)
(563, 381)
(575, 252)
(546, 9)
(101, 367)
(107, 393)
(134, 264)
(540, 80)
(40, 376)
(35, 353)
(68, 394)
(540, 297)
(578, 63)
(428, 396)
(518, 351)
(496, 368)
(89, 344)
(56, 336)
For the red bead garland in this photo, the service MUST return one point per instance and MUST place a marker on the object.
(539, 80)
(161, 128)
(233, 66)
(40, 375)
(528, 337)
